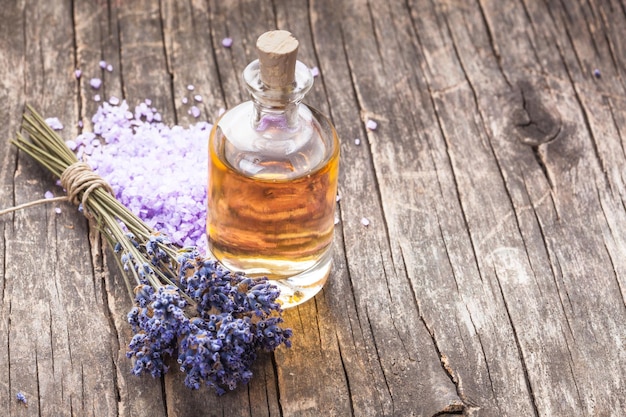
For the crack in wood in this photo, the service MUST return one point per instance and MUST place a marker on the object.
(518, 346)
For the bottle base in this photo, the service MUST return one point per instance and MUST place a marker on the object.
(302, 287)
(294, 289)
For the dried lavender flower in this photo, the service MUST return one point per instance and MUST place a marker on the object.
(20, 397)
(214, 321)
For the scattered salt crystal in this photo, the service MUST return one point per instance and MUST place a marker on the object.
(190, 87)
(185, 100)
(54, 123)
(114, 100)
(227, 42)
(198, 98)
(357, 141)
(95, 83)
(110, 68)
(77, 73)
(103, 64)
(194, 111)
(80, 124)
(48, 195)
(221, 111)
(148, 102)
(338, 198)
(365, 222)
(336, 219)
(71, 144)
(596, 73)
(315, 71)
(96, 97)
(57, 210)
(371, 124)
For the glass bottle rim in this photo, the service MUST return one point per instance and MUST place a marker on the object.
(302, 84)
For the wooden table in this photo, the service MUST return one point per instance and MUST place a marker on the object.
(491, 279)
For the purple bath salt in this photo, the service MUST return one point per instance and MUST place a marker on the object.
(371, 124)
(54, 123)
(315, 71)
(71, 144)
(77, 73)
(110, 68)
(194, 111)
(103, 64)
(48, 195)
(95, 83)
(157, 171)
(227, 42)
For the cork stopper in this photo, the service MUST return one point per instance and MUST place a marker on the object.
(277, 50)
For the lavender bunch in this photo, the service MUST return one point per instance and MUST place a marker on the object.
(211, 320)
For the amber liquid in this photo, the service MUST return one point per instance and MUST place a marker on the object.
(269, 224)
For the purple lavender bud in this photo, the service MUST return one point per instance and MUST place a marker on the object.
(21, 397)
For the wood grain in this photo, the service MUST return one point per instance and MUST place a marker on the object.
(492, 276)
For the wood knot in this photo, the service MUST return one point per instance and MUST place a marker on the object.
(538, 121)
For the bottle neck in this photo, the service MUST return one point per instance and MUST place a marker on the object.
(281, 115)
(276, 108)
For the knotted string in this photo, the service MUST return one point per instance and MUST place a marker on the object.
(76, 179)
(79, 177)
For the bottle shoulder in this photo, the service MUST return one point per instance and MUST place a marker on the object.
(270, 148)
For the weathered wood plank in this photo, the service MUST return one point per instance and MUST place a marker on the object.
(50, 295)
(11, 87)
(399, 349)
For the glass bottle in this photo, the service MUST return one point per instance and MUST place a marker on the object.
(273, 168)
